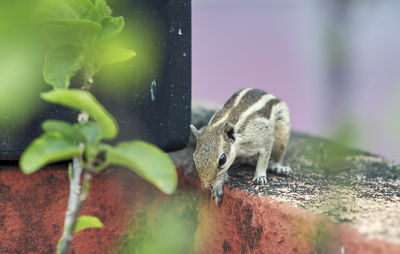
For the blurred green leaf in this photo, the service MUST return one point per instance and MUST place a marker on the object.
(112, 26)
(66, 9)
(87, 132)
(115, 55)
(168, 226)
(61, 64)
(102, 10)
(64, 128)
(87, 221)
(85, 101)
(48, 148)
(146, 160)
(57, 35)
(83, 25)
(90, 130)
(77, 32)
(20, 82)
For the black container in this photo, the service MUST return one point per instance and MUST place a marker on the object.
(153, 106)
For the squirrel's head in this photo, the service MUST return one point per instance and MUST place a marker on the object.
(215, 152)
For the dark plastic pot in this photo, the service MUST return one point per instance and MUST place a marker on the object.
(152, 100)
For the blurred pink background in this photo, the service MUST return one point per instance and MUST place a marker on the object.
(336, 63)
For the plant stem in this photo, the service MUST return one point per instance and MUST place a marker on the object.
(78, 191)
(74, 206)
(88, 80)
(78, 194)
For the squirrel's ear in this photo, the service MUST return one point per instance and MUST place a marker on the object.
(228, 131)
(195, 131)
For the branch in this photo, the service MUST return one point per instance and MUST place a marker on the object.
(74, 206)
(77, 192)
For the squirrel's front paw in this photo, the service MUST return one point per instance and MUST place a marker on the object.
(216, 194)
(261, 180)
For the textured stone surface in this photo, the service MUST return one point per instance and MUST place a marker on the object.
(330, 183)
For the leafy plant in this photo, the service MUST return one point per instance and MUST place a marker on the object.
(63, 141)
(78, 32)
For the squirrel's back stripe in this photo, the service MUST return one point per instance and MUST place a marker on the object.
(250, 98)
(222, 115)
(263, 113)
(255, 107)
(267, 109)
(243, 106)
(242, 93)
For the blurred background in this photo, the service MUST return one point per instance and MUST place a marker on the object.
(336, 63)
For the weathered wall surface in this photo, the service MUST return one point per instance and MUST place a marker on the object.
(337, 200)
(33, 207)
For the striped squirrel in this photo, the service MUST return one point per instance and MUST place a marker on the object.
(252, 123)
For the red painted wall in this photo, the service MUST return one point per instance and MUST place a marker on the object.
(140, 219)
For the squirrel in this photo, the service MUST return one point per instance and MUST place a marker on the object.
(252, 123)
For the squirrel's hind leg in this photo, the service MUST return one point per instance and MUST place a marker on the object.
(281, 141)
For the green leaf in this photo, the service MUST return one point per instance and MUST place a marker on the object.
(82, 25)
(112, 26)
(66, 9)
(115, 55)
(48, 148)
(102, 10)
(85, 101)
(87, 221)
(146, 160)
(90, 130)
(61, 64)
(77, 32)
(87, 132)
(58, 35)
(64, 128)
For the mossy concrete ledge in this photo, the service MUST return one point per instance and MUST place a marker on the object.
(338, 200)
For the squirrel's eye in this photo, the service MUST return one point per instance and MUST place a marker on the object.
(222, 160)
